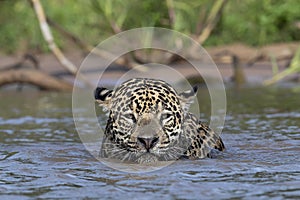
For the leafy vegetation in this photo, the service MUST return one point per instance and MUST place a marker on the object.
(261, 22)
(251, 21)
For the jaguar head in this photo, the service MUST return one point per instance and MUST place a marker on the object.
(145, 120)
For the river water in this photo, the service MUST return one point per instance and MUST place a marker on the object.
(42, 157)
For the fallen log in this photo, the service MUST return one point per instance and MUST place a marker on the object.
(33, 77)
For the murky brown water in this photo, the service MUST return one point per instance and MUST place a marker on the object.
(41, 155)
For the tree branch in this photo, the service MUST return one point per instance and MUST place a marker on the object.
(50, 41)
(34, 77)
(211, 20)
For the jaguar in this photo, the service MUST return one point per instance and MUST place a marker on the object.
(148, 121)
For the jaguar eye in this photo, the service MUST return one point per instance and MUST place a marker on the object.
(129, 116)
(166, 116)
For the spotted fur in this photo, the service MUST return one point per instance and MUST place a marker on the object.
(149, 121)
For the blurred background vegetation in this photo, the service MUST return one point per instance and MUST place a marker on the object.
(253, 22)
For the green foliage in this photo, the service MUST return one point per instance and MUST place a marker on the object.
(18, 27)
(250, 21)
(187, 15)
(260, 22)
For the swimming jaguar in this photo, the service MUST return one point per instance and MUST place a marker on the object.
(148, 121)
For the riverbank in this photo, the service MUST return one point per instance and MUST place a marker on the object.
(256, 63)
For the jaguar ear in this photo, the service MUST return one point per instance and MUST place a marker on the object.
(186, 98)
(103, 97)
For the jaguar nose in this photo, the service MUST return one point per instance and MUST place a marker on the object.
(148, 143)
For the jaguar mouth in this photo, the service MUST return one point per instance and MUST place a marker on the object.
(138, 154)
(147, 158)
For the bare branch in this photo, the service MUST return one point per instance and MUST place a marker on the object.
(211, 20)
(126, 60)
(50, 41)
